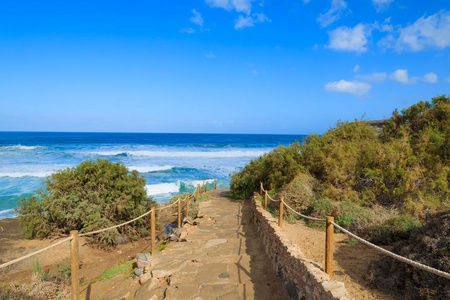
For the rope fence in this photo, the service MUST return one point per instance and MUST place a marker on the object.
(330, 224)
(74, 244)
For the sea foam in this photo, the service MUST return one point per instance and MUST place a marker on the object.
(149, 169)
(162, 188)
(7, 213)
(18, 147)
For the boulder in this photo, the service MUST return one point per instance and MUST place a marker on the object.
(138, 272)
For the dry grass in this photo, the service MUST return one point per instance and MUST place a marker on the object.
(37, 289)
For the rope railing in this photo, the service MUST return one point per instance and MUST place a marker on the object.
(393, 255)
(73, 238)
(329, 240)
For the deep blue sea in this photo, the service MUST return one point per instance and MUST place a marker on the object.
(170, 163)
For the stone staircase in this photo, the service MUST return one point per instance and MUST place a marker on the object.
(220, 258)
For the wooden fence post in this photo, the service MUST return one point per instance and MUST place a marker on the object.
(74, 265)
(260, 188)
(179, 212)
(265, 200)
(187, 206)
(280, 217)
(206, 186)
(329, 248)
(152, 230)
(198, 191)
(215, 183)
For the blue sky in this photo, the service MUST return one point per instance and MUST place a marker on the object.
(217, 66)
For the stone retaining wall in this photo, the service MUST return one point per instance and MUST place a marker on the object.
(302, 277)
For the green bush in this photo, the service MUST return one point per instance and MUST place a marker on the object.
(91, 196)
(274, 169)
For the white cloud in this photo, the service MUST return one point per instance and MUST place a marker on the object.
(197, 18)
(349, 39)
(333, 14)
(374, 77)
(244, 6)
(187, 30)
(432, 32)
(401, 75)
(348, 87)
(356, 69)
(381, 5)
(250, 21)
(210, 55)
(430, 78)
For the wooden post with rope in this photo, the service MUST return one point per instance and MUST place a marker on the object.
(329, 247)
(215, 182)
(187, 206)
(280, 217)
(198, 191)
(179, 212)
(74, 265)
(152, 231)
(206, 186)
(265, 200)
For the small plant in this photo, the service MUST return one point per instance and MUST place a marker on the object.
(39, 271)
(351, 242)
(120, 268)
(163, 246)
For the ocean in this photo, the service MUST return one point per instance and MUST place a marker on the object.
(170, 163)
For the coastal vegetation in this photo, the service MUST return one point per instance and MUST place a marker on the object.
(91, 196)
(384, 186)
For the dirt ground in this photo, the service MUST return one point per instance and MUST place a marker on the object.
(350, 261)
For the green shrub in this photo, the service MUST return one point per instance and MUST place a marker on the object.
(274, 169)
(91, 196)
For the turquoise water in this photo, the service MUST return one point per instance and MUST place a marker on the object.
(170, 163)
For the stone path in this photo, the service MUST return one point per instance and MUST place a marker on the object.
(222, 258)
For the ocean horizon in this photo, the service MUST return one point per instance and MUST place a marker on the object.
(171, 163)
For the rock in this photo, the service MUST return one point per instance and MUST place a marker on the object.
(143, 259)
(150, 287)
(224, 275)
(138, 272)
(173, 237)
(187, 220)
(177, 231)
(148, 238)
(160, 273)
(126, 296)
(148, 268)
(144, 278)
(122, 239)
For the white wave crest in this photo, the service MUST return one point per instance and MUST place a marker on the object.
(18, 147)
(25, 174)
(146, 153)
(7, 213)
(148, 169)
(195, 182)
(162, 188)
